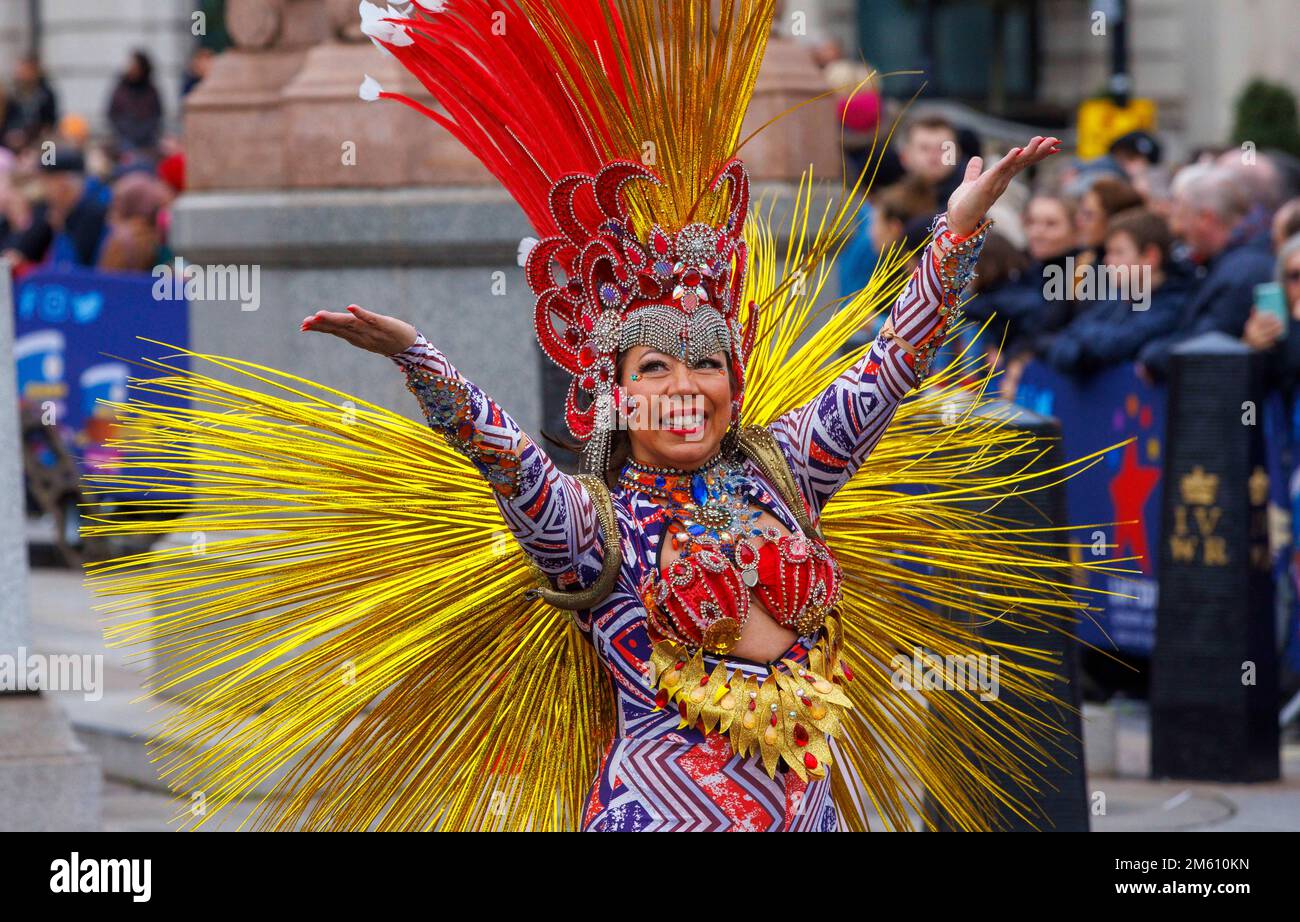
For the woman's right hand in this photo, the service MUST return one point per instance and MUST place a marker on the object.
(364, 329)
(1262, 331)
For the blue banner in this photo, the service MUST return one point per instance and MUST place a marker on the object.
(75, 336)
(1096, 412)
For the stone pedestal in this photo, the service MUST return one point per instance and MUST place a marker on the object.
(48, 782)
(234, 129)
(808, 136)
(387, 146)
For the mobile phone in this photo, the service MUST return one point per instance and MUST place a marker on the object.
(1270, 299)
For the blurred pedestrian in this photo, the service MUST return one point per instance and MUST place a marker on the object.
(135, 109)
(1286, 224)
(35, 102)
(74, 213)
(134, 242)
(930, 151)
(1153, 291)
(199, 65)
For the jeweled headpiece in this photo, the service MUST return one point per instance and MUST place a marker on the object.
(613, 123)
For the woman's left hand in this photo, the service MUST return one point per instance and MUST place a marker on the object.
(975, 196)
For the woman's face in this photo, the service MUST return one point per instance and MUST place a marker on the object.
(1291, 282)
(1090, 220)
(1048, 231)
(681, 411)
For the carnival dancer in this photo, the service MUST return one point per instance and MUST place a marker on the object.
(692, 633)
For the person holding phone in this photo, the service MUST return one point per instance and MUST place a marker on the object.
(1276, 305)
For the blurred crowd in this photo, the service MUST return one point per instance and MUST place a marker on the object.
(68, 199)
(1212, 243)
(1199, 246)
(1112, 260)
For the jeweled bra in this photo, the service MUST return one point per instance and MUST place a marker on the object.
(771, 718)
(701, 601)
(702, 598)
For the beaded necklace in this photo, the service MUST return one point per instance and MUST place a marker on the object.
(706, 507)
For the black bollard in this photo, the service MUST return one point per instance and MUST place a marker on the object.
(1214, 671)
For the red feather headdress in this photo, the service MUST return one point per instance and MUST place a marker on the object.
(614, 125)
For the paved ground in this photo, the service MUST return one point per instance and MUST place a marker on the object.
(116, 726)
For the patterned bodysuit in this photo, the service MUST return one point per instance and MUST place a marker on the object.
(654, 776)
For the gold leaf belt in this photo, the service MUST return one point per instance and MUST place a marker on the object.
(787, 717)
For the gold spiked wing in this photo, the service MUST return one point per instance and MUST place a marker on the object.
(342, 625)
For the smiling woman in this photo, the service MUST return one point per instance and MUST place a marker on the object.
(719, 552)
(682, 409)
(721, 659)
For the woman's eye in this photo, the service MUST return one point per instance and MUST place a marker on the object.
(652, 366)
(708, 363)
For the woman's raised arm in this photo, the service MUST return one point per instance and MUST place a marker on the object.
(549, 512)
(827, 439)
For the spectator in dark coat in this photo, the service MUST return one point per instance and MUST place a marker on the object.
(135, 109)
(1265, 333)
(1019, 304)
(197, 69)
(1111, 331)
(9, 116)
(1233, 256)
(75, 213)
(1105, 197)
(35, 105)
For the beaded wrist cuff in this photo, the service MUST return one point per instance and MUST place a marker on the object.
(448, 406)
(954, 258)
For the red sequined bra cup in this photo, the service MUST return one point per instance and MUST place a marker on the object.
(702, 599)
